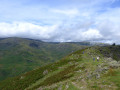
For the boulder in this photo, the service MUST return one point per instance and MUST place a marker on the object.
(114, 64)
(45, 72)
(67, 86)
(97, 76)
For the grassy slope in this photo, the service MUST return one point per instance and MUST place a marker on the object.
(74, 72)
(19, 55)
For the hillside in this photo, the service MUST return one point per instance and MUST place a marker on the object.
(77, 71)
(20, 55)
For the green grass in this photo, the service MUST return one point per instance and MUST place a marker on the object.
(73, 68)
(31, 77)
(18, 56)
(72, 87)
(62, 75)
(115, 77)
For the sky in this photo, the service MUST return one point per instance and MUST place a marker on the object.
(61, 20)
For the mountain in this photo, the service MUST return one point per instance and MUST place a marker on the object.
(20, 55)
(79, 70)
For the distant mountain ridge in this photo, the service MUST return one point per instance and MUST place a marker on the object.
(19, 55)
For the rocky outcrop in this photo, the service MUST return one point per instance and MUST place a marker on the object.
(45, 72)
(114, 64)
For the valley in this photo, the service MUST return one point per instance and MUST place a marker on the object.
(20, 55)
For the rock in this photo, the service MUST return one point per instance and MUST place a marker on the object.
(89, 76)
(80, 77)
(105, 68)
(45, 72)
(81, 87)
(114, 64)
(67, 86)
(99, 70)
(74, 56)
(22, 77)
(97, 75)
(78, 71)
(118, 62)
(60, 67)
(109, 59)
(76, 63)
(70, 63)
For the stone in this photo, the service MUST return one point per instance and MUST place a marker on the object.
(70, 63)
(97, 75)
(109, 59)
(60, 67)
(22, 77)
(114, 64)
(78, 71)
(99, 70)
(67, 86)
(105, 68)
(118, 62)
(89, 76)
(45, 72)
(81, 87)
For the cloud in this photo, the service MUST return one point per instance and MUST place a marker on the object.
(49, 33)
(24, 29)
(91, 34)
(61, 20)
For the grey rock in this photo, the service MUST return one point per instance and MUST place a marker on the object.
(99, 70)
(89, 76)
(22, 77)
(67, 86)
(45, 72)
(97, 75)
(114, 64)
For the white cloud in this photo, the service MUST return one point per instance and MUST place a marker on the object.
(92, 34)
(24, 29)
(63, 20)
(50, 33)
